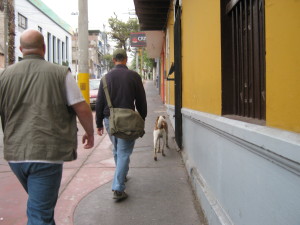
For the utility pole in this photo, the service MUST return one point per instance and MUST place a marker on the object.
(5, 34)
(142, 71)
(83, 54)
(137, 60)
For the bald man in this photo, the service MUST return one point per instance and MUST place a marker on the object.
(39, 102)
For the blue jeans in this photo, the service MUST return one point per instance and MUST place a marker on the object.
(122, 150)
(41, 181)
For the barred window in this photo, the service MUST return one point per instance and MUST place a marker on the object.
(243, 58)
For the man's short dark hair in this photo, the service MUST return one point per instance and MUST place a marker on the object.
(120, 57)
(119, 54)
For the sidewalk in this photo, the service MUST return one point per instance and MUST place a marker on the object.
(159, 191)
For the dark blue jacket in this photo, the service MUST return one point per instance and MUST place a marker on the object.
(126, 90)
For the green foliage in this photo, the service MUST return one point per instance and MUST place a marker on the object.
(109, 60)
(148, 63)
(65, 63)
(120, 31)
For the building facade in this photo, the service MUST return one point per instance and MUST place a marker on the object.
(233, 101)
(98, 47)
(34, 14)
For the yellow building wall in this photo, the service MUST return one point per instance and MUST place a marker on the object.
(201, 55)
(170, 58)
(283, 64)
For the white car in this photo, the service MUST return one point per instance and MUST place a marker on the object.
(94, 87)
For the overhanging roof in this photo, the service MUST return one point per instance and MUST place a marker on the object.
(152, 14)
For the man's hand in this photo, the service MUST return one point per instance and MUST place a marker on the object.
(100, 131)
(85, 117)
(88, 140)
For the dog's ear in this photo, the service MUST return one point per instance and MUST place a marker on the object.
(164, 117)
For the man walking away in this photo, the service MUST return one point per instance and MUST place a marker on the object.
(126, 90)
(39, 102)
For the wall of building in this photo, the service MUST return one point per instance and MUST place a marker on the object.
(242, 173)
(201, 56)
(37, 19)
(170, 57)
(162, 76)
(282, 61)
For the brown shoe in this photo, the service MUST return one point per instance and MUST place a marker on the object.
(120, 195)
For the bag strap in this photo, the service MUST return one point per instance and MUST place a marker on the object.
(106, 92)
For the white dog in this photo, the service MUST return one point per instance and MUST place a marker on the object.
(160, 133)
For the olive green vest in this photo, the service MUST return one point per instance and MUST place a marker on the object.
(37, 123)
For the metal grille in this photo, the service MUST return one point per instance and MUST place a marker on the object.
(248, 57)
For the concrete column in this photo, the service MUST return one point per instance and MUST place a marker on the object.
(83, 54)
(137, 61)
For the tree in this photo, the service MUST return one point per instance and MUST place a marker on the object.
(109, 60)
(148, 64)
(120, 31)
(10, 11)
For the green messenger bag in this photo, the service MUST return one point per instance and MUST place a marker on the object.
(124, 123)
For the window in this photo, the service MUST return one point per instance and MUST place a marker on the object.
(243, 58)
(49, 46)
(58, 52)
(67, 49)
(22, 21)
(63, 51)
(54, 49)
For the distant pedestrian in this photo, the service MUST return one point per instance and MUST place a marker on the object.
(39, 102)
(126, 90)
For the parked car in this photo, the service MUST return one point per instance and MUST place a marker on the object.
(94, 87)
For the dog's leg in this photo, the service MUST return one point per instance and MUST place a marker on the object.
(163, 144)
(155, 147)
(158, 145)
(167, 137)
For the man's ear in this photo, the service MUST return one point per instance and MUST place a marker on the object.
(44, 48)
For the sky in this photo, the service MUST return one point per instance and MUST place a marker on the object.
(99, 11)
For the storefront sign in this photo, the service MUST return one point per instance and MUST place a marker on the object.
(138, 39)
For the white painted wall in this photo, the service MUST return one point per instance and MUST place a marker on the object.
(36, 18)
(243, 174)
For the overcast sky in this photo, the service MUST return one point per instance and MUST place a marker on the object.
(99, 11)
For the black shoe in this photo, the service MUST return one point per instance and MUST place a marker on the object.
(119, 195)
